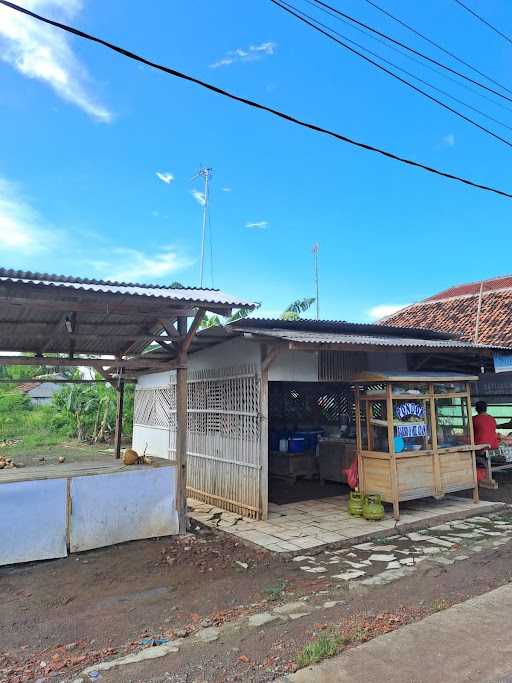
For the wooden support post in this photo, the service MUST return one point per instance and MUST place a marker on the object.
(393, 471)
(267, 358)
(436, 458)
(476, 492)
(181, 431)
(119, 418)
(359, 441)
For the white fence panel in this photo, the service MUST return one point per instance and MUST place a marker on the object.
(127, 506)
(34, 520)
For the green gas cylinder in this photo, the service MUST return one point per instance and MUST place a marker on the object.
(355, 504)
(372, 507)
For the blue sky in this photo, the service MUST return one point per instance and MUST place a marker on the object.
(84, 134)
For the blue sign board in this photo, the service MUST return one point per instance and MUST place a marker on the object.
(502, 362)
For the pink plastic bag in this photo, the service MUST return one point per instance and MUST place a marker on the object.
(352, 474)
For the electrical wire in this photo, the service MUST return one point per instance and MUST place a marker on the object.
(324, 6)
(310, 22)
(437, 45)
(484, 21)
(411, 57)
(396, 66)
(256, 105)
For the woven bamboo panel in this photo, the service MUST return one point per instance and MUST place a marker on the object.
(301, 404)
(155, 407)
(223, 437)
(339, 366)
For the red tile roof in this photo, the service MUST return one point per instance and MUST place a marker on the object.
(503, 282)
(455, 310)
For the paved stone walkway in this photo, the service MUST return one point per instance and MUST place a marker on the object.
(382, 560)
(470, 642)
(311, 524)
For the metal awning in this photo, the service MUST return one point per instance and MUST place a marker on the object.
(61, 318)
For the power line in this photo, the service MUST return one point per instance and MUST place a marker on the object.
(256, 105)
(325, 6)
(396, 66)
(412, 58)
(301, 16)
(437, 45)
(484, 21)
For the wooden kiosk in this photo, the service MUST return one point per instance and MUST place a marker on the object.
(414, 435)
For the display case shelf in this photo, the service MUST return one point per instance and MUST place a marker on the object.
(430, 468)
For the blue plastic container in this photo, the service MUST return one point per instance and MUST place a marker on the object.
(310, 438)
(296, 444)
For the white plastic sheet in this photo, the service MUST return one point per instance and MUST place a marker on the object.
(33, 515)
(113, 508)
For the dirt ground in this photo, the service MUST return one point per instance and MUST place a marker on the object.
(58, 617)
(502, 494)
(72, 451)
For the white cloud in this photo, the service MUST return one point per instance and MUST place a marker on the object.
(141, 266)
(448, 140)
(43, 52)
(251, 54)
(22, 231)
(225, 189)
(383, 310)
(199, 197)
(257, 225)
(165, 177)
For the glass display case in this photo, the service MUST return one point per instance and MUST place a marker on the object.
(414, 435)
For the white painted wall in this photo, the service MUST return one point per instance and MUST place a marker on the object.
(114, 508)
(155, 440)
(238, 351)
(294, 366)
(154, 380)
(34, 520)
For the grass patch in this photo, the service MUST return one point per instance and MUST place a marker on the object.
(275, 591)
(325, 645)
(439, 605)
(359, 635)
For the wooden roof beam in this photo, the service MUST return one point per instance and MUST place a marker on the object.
(67, 305)
(82, 362)
(187, 341)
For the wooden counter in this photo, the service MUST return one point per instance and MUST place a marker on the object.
(399, 456)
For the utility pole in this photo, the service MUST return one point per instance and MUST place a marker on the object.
(205, 173)
(315, 250)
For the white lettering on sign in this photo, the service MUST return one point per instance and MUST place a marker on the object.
(409, 409)
(409, 431)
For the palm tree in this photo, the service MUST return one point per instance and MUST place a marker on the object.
(294, 310)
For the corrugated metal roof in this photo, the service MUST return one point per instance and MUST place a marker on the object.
(184, 294)
(342, 326)
(321, 338)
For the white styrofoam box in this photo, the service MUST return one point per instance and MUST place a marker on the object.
(126, 506)
(34, 520)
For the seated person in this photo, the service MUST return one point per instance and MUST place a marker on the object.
(484, 426)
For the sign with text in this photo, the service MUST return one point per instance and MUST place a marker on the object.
(502, 362)
(409, 409)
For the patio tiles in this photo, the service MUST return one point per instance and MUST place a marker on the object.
(312, 524)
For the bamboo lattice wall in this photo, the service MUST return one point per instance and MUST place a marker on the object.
(223, 439)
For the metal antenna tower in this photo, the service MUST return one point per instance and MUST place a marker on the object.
(205, 173)
(315, 250)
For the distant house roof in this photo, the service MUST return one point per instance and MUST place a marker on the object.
(25, 387)
(456, 310)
